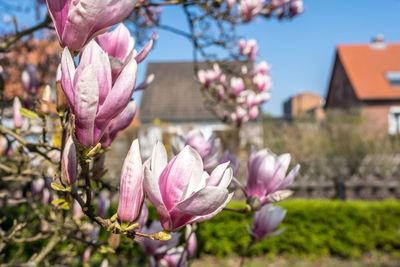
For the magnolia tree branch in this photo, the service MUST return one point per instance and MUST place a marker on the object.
(31, 147)
(4, 46)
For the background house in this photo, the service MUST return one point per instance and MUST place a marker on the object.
(173, 104)
(367, 77)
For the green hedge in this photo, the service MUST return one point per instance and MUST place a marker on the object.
(313, 228)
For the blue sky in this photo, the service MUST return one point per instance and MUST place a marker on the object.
(301, 50)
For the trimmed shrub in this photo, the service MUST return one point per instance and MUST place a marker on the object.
(313, 228)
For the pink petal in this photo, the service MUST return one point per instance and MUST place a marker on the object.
(67, 76)
(131, 185)
(116, 11)
(86, 101)
(203, 202)
(58, 10)
(159, 159)
(150, 184)
(203, 218)
(117, 99)
(94, 55)
(69, 162)
(82, 17)
(123, 120)
(144, 52)
(175, 177)
(116, 42)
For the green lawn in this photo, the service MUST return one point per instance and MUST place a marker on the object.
(370, 260)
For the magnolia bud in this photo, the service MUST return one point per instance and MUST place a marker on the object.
(69, 162)
(17, 113)
(113, 240)
(46, 100)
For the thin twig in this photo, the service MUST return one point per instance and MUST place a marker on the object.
(13, 39)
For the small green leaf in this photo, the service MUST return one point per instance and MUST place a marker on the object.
(57, 187)
(65, 206)
(29, 113)
(58, 201)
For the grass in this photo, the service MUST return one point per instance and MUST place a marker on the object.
(368, 260)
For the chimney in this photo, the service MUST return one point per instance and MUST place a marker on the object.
(378, 42)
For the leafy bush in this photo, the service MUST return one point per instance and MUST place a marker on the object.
(313, 228)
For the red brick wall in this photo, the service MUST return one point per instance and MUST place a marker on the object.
(376, 118)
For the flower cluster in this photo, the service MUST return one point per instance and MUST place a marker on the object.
(249, 9)
(242, 95)
(94, 85)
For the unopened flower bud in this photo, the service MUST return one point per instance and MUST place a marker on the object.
(69, 162)
(131, 194)
(113, 240)
(46, 100)
(3, 144)
(17, 113)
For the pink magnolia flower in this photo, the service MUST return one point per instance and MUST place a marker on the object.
(248, 48)
(77, 210)
(181, 191)
(17, 113)
(265, 221)
(131, 194)
(191, 239)
(86, 255)
(37, 186)
(240, 115)
(237, 86)
(157, 248)
(175, 257)
(262, 67)
(103, 204)
(119, 124)
(296, 7)
(248, 9)
(119, 44)
(266, 174)
(262, 82)
(30, 79)
(46, 196)
(197, 141)
(208, 149)
(277, 3)
(253, 112)
(206, 77)
(263, 97)
(69, 162)
(79, 21)
(253, 99)
(93, 99)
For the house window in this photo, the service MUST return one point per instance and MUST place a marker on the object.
(393, 77)
(394, 120)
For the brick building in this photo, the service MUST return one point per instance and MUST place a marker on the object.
(43, 54)
(366, 77)
(304, 105)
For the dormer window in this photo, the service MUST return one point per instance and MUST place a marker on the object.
(393, 77)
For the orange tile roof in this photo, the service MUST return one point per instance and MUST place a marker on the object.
(366, 66)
